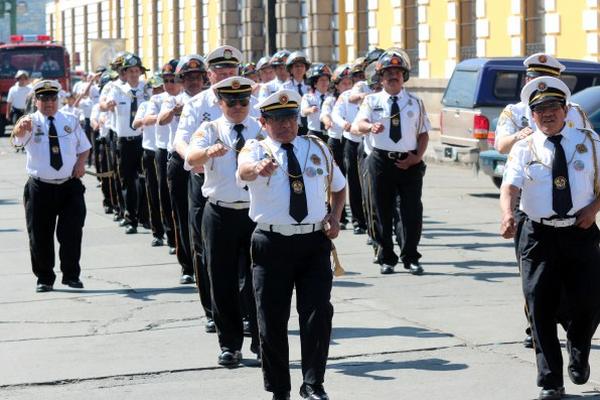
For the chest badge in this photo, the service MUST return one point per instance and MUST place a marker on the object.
(311, 172)
(581, 148)
(578, 165)
(297, 187)
(560, 182)
(315, 159)
(570, 124)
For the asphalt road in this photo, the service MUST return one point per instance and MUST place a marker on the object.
(135, 333)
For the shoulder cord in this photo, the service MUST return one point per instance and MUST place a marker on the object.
(338, 270)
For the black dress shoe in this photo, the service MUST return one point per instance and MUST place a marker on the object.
(313, 392)
(123, 222)
(73, 283)
(230, 359)
(42, 288)
(359, 231)
(117, 218)
(578, 373)
(528, 342)
(281, 396)
(385, 269)
(552, 393)
(172, 250)
(130, 230)
(414, 268)
(157, 242)
(369, 241)
(108, 210)
(210, 326)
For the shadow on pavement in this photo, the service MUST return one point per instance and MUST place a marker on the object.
(406, 331)
(365, 369)
(348, 284)
(4, 202)
(471, 264)
(143, 294)
(485, 195)
(491, 277)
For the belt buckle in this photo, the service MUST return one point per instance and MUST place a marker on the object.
(392, 155)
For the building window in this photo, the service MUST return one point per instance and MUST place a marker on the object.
(159, 32)
(534, 26)
(140, 28)
(181, 19)
(467, 32)
(362, 27)
(411, 34)
(335, 30)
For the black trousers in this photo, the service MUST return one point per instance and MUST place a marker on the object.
(101, 163)
(365, 185)
(560, 265)
(350, 158)
(50, 207)
(177, 179)
(160, 162)
(281, 263)
(226, 235)
(130, 168)
(388, 183)
(196, 203)
(113, 156)
(15, 114)
(89, 132)
(152, 193)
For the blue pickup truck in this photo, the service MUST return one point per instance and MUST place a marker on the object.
(476, 94)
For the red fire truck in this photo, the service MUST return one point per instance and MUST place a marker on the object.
(36, 54)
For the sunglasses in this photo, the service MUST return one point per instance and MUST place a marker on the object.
(169, 80)
(47, 97)
(282, 119)
(549, 107)
(234, 102)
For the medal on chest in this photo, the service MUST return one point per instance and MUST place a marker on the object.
(581, 148)
(395, 121)
(297, 186)
(55, 150)
(560, 182)
(578, 165)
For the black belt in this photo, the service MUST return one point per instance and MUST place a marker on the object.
(393, 155)
(129, 138)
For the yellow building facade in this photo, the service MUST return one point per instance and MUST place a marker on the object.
(437, 34)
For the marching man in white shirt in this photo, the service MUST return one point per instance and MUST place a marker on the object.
(57, 149)
(16, 100)
(226, 226)
(289, 179)
(555, 170)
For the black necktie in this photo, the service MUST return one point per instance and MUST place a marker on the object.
(298, 206)
(320, 110)
(239, 141)
(395, 128)
(55, 157)
(303, 120)
(300, 92)
(561, 190)
(134, 107)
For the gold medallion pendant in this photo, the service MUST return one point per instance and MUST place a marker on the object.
(395, 121)
(581, 148)
(560, 182)
(55, 149)
(297, 187)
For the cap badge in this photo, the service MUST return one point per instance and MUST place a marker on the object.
(235, 84)
(227, 54)
(297, 186)
(542, 59)
(168, 68)
(193, 64)
(581, 148)
(47, 85)
(560, 182)
(283, 99)
(542, 86)
(394, 61)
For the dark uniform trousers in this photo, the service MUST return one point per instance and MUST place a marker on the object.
(160, 162)
(89, 132)
(388, 184)
(281, 263)
(113, 156)
(196, 204)
(50, 207)
(365, 185)
(101, 164)
(152, 193)
(177, 179)
(226, 234)
(337, 149)
(130, 167)
(350, 159)
(557, 262)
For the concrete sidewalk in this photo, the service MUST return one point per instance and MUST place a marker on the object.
(135, 333)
